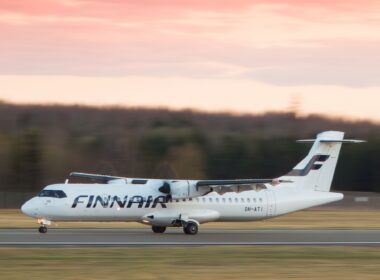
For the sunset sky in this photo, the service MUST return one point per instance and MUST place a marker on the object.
(227, 55)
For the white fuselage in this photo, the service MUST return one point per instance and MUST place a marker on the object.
(188, 203)
(126, 202)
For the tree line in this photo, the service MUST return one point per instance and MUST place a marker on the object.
(41, 145)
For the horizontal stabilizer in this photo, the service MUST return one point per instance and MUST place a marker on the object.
(331, 141)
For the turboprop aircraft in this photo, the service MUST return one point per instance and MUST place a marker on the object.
(188, 203)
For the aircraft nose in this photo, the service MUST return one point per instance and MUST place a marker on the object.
(26, 208)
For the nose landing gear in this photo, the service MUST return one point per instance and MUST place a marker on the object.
(43, 223)
(42, 229)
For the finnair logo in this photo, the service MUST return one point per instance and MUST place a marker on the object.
(108, 201)
(315, 163)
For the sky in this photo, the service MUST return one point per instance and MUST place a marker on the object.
(237, 56)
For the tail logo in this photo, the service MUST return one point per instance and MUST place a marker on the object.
(315, 163)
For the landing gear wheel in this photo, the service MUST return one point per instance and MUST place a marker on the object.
(42, 229)
(190, 228)
(157, 229)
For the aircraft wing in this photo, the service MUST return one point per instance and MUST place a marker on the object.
(240, 185)
(239, 182)
(95, 177)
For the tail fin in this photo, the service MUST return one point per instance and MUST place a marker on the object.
(316, 170)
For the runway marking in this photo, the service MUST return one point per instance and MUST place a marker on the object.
(141, 237)
(172, 231)
(64, 243)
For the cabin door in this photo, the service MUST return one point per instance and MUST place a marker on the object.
(271, 203)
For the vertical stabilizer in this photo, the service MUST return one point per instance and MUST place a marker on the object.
(316, 170)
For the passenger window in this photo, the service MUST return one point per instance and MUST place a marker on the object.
(203, 199)
(217, 200)
(210, 199)
(254, 200)
(230, 199)
(224, 200)
(236, 199)
(260, 199)
(248, 200)
(242, 199)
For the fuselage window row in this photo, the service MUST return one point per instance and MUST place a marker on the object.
(218, 200)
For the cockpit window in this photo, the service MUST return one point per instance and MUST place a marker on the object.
(52, 193)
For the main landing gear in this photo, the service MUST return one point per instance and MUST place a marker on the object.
(157, 229)
(190, 228)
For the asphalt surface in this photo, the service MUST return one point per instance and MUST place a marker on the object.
(144, 237)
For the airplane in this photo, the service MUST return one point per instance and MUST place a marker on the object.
(162, 203)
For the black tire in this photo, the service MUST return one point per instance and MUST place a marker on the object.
(157, 229)
(42, 230)
(190, 228)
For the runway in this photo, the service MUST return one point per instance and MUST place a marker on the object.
(144, 237)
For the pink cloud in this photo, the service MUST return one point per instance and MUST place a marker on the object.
(163, 8)
(279, 42)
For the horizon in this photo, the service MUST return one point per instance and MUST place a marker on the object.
(232, 114)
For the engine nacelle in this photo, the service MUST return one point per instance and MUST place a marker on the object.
(182, 189)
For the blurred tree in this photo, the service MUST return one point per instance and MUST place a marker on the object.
(358, 167)
(26, 162)
(187, 161)
(40, 145)
(229, 159)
